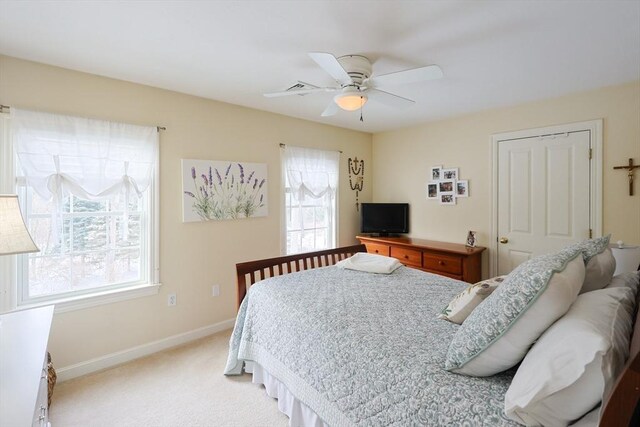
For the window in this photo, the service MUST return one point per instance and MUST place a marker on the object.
(310, 195)
(88, 196)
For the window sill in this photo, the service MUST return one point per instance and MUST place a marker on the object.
(107, 297)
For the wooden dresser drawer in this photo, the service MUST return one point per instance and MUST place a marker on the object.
(443, 263)
(376, 248)
(407, 256)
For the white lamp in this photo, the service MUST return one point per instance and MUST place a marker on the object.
(350, 99)
(627, 257)
(14, 237)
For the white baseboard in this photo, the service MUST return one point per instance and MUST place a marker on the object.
(120, 357)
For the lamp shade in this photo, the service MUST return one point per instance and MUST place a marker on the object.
(14, 237)
(350, 99)
(627, 258)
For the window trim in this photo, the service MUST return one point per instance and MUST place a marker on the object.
(9, 274)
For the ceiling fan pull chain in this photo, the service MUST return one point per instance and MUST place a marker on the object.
(361, 103)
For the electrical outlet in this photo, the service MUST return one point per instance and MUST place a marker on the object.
(215, 290)
(172, 300)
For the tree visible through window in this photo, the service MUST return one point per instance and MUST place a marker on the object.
(83, 246)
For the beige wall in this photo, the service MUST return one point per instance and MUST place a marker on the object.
(402, 160)
(193, 256)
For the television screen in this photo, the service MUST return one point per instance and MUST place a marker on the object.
(384, 218)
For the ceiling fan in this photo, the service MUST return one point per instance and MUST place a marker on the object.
(356, 84)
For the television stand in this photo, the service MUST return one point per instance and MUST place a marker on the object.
(447, 259)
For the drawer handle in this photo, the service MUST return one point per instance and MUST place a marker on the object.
(376, 251)
(440, 262)
(406, 257)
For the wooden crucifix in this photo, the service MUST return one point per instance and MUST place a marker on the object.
(630, 167)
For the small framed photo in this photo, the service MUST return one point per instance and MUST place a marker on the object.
(446, 187)
(471, 239)
(449, 173)
(462, 188)
(447, 199)
(436, 173)
(432, 190)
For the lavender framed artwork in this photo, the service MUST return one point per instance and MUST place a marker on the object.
(217, 190)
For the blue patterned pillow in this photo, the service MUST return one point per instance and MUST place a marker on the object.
(498, 333)
(591, 247)
(598, 260)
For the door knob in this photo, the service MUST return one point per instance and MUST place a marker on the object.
(504, 240)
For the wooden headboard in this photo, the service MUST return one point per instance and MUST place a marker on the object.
(622, 407)
(261, 269)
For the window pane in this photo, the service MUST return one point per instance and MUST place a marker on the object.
(49, 275)
(90, 233)
(308, 218)
(89, 270)
(132, 238)
(293, 222)
(81, 205)
(126, 266)
(92, 247)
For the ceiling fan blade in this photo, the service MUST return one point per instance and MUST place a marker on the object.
(299, 92)
(389, 99)
(330, 64)
(331, 109)
(430, 72)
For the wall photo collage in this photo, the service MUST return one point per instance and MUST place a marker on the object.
(445, 185)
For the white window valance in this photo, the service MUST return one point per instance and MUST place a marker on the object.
(92, 159)
(311, 172)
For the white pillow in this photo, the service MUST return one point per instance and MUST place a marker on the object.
(498, 333)
(598, 260)
(370, 263)
(566, 372)
(466, 301)
(599, 271)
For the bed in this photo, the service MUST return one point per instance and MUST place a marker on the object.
(347, 348)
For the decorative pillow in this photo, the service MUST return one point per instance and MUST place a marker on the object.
(463, 304)
(599, 261)
(498, 333)
(567, 371)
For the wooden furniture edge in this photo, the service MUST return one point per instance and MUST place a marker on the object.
(622, 407)
(257, 270)
(435, 245)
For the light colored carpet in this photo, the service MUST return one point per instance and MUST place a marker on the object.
(183, 386)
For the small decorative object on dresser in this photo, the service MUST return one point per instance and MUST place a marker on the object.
(471, 239)
(447, 259)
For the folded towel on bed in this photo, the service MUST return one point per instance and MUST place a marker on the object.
(370, 263)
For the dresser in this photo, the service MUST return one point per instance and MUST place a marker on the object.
(448, 259)
(24, 336)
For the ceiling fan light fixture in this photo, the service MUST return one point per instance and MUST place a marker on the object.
(350, 101)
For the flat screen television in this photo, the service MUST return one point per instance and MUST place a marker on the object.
(384, 218)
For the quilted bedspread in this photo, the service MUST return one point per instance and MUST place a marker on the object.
(364, 349)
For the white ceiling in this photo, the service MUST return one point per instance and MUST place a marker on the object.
(493, 53)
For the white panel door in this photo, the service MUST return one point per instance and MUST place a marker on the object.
(543, 195)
